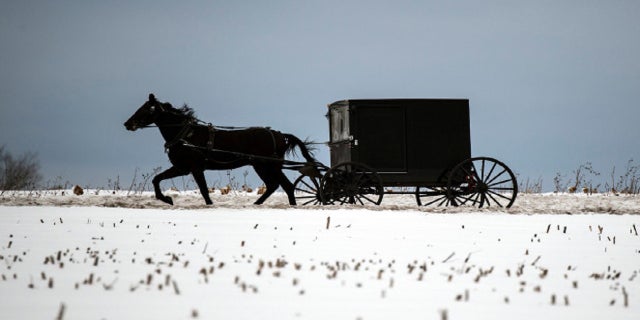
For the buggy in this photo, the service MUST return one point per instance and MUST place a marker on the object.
(407, 146)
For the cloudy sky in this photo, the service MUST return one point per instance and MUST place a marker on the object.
(552, 84)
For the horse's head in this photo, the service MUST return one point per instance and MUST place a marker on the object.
(145, 115)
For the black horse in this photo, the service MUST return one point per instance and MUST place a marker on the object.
(193, 147)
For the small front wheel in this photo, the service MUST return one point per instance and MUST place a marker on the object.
(307, 190)
(351, 183)
(435, 196)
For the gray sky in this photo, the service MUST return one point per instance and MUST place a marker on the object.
(552, 84)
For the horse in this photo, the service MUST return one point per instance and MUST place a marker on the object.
(193, 147)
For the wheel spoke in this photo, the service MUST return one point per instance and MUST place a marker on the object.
(432, 196)
(432, 202)
(466, 198)
(494, 200)
(499, 182)
(476, 199)
(486, 199)
(307, 191)
(491, 171)
(503, 188)
(314, 187)
(499, 195)
(368, 199)
(313, 200)
(499, 174)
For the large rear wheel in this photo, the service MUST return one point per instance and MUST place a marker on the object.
(481, 182)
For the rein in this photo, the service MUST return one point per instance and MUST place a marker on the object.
(201, 123)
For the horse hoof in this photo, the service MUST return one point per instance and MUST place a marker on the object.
(167, 200)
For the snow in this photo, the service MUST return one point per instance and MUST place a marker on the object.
(547, 203)
(112, 256)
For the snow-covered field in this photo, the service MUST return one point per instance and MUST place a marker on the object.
(112, 256)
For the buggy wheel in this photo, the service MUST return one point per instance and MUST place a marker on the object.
(482, 182)
(434, 196)
(352, 183)
(307, 190)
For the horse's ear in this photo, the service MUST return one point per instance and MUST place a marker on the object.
(152, 97)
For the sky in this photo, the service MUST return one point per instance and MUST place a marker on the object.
(551, 84)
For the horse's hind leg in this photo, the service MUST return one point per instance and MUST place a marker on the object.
(167, 174)
(288, 188)
(198, 176)
(270, 181)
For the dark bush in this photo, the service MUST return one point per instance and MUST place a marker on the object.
(18, 173)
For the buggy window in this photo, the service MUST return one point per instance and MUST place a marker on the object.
(339, 118)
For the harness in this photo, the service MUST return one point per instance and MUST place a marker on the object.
(187, 131)
(212, 136)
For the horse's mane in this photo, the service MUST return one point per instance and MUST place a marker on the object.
(185, 111)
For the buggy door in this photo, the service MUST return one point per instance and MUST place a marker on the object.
(380, 138)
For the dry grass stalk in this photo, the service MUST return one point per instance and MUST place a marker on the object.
(444, 314)
(449, 257)
(175, 287)
(60, 315)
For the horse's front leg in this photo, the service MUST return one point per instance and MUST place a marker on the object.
(198, 176)
(167, 174)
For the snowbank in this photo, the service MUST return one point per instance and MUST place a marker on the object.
(547, 203)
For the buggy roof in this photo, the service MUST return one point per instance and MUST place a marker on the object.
(391, 101)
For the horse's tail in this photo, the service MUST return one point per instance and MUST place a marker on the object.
(305, 147)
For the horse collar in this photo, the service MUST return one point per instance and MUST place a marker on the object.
(185, 132)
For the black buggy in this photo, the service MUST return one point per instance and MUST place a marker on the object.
(406, 146)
